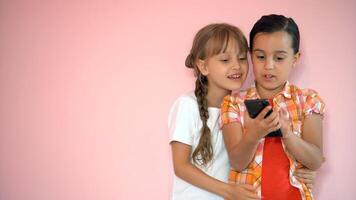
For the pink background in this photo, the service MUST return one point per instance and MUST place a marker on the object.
(86, 86)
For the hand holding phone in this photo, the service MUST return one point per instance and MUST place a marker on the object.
(254, 107)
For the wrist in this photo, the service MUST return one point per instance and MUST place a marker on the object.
(287, 134)
(251, 138)
(287, 131)
(226, 191)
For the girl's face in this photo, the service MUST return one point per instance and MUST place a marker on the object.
(273, 59)
(227, 70)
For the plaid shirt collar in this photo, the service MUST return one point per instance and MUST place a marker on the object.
(252, 92)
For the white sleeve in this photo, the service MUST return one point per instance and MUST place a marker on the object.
(182, 120)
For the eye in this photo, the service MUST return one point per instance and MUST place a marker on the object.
(260, 57)
(224, 59)
(280, 58)
(243, 58)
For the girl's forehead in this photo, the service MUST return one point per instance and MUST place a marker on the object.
(233, 47)
(276, 40)
(230, 45)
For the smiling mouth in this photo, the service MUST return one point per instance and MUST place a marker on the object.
(234, 76)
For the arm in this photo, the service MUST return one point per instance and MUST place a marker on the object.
(240, 146)
(307, 149)
(185, 170)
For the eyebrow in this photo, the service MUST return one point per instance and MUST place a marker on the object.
(278, 51)
(228, 53)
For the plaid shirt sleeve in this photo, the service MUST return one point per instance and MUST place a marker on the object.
(230, 110)
(313, 103)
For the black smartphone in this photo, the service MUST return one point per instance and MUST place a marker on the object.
(254, 107)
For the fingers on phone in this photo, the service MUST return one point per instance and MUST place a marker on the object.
(264, 112)
(275, 125)
(272, 117)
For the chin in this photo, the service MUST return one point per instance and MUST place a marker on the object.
(272, 86)
(235, 87)
(267, 85)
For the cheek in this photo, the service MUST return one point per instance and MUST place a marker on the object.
(284, 71)
(254, 60)
(288, 63)
(245, 67)
(218, 73)
(256, 69)
(257, 63)
(286, 67)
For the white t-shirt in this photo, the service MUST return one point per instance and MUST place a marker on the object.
(184, 125)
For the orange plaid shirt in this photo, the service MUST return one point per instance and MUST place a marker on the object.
(299, 103)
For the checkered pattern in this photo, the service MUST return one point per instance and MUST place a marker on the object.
(299, 103)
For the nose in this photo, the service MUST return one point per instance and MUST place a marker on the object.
(236, 64)
(269, 64)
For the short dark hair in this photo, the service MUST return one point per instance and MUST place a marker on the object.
(274, 23)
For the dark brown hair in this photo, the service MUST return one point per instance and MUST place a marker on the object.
(274, 23)
(210, 40)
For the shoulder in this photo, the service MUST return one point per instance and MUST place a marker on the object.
(235, 98)
(186, 100)
(186, 103)
(183, 118)
(309, 99)
(304, 92)
(233, 103)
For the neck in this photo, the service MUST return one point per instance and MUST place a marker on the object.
(266, 93)
(215, 97)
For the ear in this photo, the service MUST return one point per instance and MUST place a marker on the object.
(296, 59)
(202, 67)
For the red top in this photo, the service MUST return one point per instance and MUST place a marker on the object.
(275, 172)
